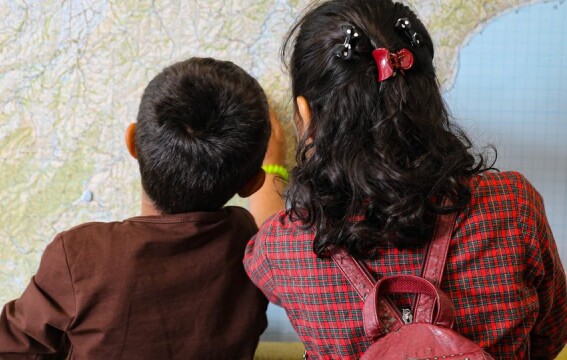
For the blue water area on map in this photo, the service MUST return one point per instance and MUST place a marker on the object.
(511, 91)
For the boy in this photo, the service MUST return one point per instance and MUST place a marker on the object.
(168, 284)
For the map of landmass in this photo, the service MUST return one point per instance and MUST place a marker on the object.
(72, 73)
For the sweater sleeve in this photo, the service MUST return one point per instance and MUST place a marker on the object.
(545, 271)
(36, 322)
(257, 264)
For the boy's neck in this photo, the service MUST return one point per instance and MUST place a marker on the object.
(148, 207)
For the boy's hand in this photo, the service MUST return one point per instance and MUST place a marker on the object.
(276, 145)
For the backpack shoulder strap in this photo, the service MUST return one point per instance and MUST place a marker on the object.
(434, 262)
(363, 282)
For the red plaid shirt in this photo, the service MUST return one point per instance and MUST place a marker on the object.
(503, 274)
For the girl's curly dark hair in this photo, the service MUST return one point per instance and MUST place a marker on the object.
(376, 157)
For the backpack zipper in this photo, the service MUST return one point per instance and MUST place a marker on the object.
(407, 316)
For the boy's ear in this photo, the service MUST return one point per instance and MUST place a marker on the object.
(253, 184)
(304, 110)
(131, 140)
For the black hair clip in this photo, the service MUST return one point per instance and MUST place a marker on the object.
(344, 51)
(415, 38)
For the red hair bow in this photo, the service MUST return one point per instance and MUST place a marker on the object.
(389, 63)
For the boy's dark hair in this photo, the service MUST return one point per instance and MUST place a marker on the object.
(202, 131)
(382, 152)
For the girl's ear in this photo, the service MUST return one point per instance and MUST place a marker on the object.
(304, 111)
(130, 140)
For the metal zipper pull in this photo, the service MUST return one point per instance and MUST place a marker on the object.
(407, 316)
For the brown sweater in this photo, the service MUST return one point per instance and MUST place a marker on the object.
(163, 287)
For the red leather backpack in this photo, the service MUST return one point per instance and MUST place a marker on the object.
(425, 332)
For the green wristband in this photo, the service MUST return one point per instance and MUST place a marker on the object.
(276, 170)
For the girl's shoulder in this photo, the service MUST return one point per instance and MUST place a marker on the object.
(506, 196)
(502, 185)
(284, 222)
(284, 231)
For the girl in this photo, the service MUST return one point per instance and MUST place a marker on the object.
(377, 151)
